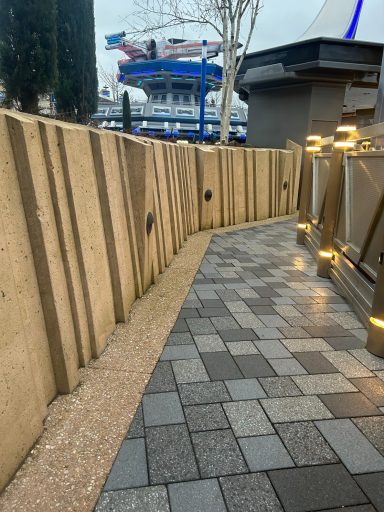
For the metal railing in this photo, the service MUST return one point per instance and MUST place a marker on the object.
(341, 219)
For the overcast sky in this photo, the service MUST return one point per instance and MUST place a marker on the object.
(280, 22)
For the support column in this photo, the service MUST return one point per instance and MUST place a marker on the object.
(375, 342)
(330, 213)
(305, 196)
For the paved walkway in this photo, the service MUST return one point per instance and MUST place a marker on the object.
(264, 398)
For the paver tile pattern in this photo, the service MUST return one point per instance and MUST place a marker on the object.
(264, 398)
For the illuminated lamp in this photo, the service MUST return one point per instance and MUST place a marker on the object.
(175, 133)
(326, 254)
(346, 128)
(344, 144)
(377, 322)
(167, 133)
(302, 226)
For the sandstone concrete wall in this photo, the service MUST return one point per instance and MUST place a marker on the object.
(88, 219)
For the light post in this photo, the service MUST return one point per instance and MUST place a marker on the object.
(202, 89)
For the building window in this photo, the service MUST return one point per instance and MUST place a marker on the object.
(186, 99)
(182, 112)
(176, 99)
(161, 111)
(163, 98)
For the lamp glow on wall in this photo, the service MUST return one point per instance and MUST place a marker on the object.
(341, 141)
(313, 144)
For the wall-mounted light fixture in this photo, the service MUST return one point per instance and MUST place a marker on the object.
(313, 144)
(302, 226)
(341, 141)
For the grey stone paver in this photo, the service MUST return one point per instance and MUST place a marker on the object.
(245, 389)
(250, 493)
(174, 352)
(218, 453)
(145, 499)
(316, 488)
(162, 409)
(353, 448)
(272, 349)
(136, 428)
(201, 495)
(373, 486)
(347, 364)
(300, 408)
(277, 387)
(189, 370)
(254, 366)
(221, 365)
(305, 444)
(265, 369)
(241, 348)
(247, 418)
(346, 405)
(373, 429)
(205, 417)
(209, 343)
(162, 379)
(263, 453)
(288, 366)
(306, 345)
(130, 467)
(323, 384)
(170, 454)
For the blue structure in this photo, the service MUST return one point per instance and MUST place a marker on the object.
(174, 94)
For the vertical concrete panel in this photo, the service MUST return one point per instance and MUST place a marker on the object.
(129, 217)
(187, 188)
(224, 185)
(37, 202)
(285, 163)
(15, 241)
(239, 185)
(140, 173)
(206, 160)
(178, 195)
(110, 189)
(217, 196)
(52, 154)
(273, 175)
(249, 185)
(191, 150)
(87, 223)
(174, 221)
(21, 409)
(163, 216)
(231, 186)
(182, 190)
(262, 183)
(297, 159)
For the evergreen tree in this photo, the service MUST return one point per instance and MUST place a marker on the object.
(77, 84)
(27, 50)
(127, 122)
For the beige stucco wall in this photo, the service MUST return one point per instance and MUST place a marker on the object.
(76, 249)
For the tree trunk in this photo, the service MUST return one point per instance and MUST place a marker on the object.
(29, 103)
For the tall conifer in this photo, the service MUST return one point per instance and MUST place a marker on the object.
(77, 85)
(27, 50)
